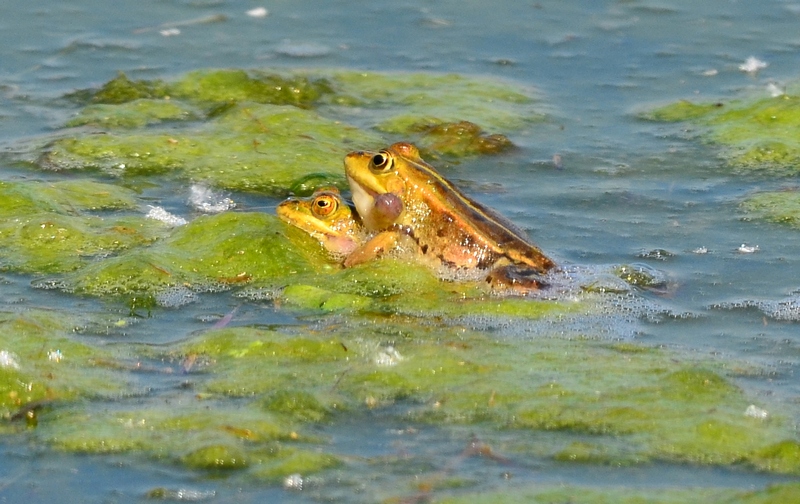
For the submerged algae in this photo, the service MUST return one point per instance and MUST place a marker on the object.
(638, 405)
(401, 101)
(190, 435)
(254, 399)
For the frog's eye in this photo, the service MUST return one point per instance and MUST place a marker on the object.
(381, 162)
(324, 205)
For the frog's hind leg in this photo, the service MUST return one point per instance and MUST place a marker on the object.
(515, 279)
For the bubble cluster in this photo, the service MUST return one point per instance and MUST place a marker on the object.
(614, 306)
(50, 284)
(173, 297)
(259, 293)
(159, 214)
(784, 309)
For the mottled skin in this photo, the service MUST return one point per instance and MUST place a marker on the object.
(446, 225)
(327, 217)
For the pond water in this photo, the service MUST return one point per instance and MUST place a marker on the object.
(626, 191)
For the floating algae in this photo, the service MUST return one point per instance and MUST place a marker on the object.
(780, 207)
(756, 133)
(383, 342)
(46, 227)
(256, 131)
(249, 147)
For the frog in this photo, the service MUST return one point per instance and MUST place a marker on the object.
(327, 217)
(449, 228)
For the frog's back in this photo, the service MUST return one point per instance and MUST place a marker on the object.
(458, 221)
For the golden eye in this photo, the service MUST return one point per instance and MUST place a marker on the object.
(381, 162)
(324, 205)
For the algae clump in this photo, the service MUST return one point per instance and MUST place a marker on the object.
(41, 366)
(212, 253)
(751, 133)
(46, 227)
(249, 147)
(782, 207)
(256, 131)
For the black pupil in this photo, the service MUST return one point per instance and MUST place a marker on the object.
(379, 160)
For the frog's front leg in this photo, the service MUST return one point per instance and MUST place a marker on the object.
(374, 248)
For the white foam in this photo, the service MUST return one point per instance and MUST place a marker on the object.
(754, 411)
(387, 356)
(159, 214)
(752, 65)
(614, 309)
(258, 12)
(205, 200)
(8, 360)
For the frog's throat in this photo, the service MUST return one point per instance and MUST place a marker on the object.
(363, 198)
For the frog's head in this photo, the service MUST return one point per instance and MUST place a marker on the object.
(325, 216)
(373, 174)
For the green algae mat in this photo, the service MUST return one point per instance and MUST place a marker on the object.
(385, 343)
(754, 135)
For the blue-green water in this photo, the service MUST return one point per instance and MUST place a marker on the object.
(626, 186)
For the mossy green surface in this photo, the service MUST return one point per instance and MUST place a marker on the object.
(779, 493)
(46, 227)
(216, 86)
(41, 364)
(256, 131)
(249, 147)
(781, 207)
(751, 133)
(135, 114)
(210, 253)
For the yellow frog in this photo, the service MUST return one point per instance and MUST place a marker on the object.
(448, 227)
(326, 217)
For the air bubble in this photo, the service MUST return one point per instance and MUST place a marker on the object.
(174, 297)
(615, 308)
(785, 309)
